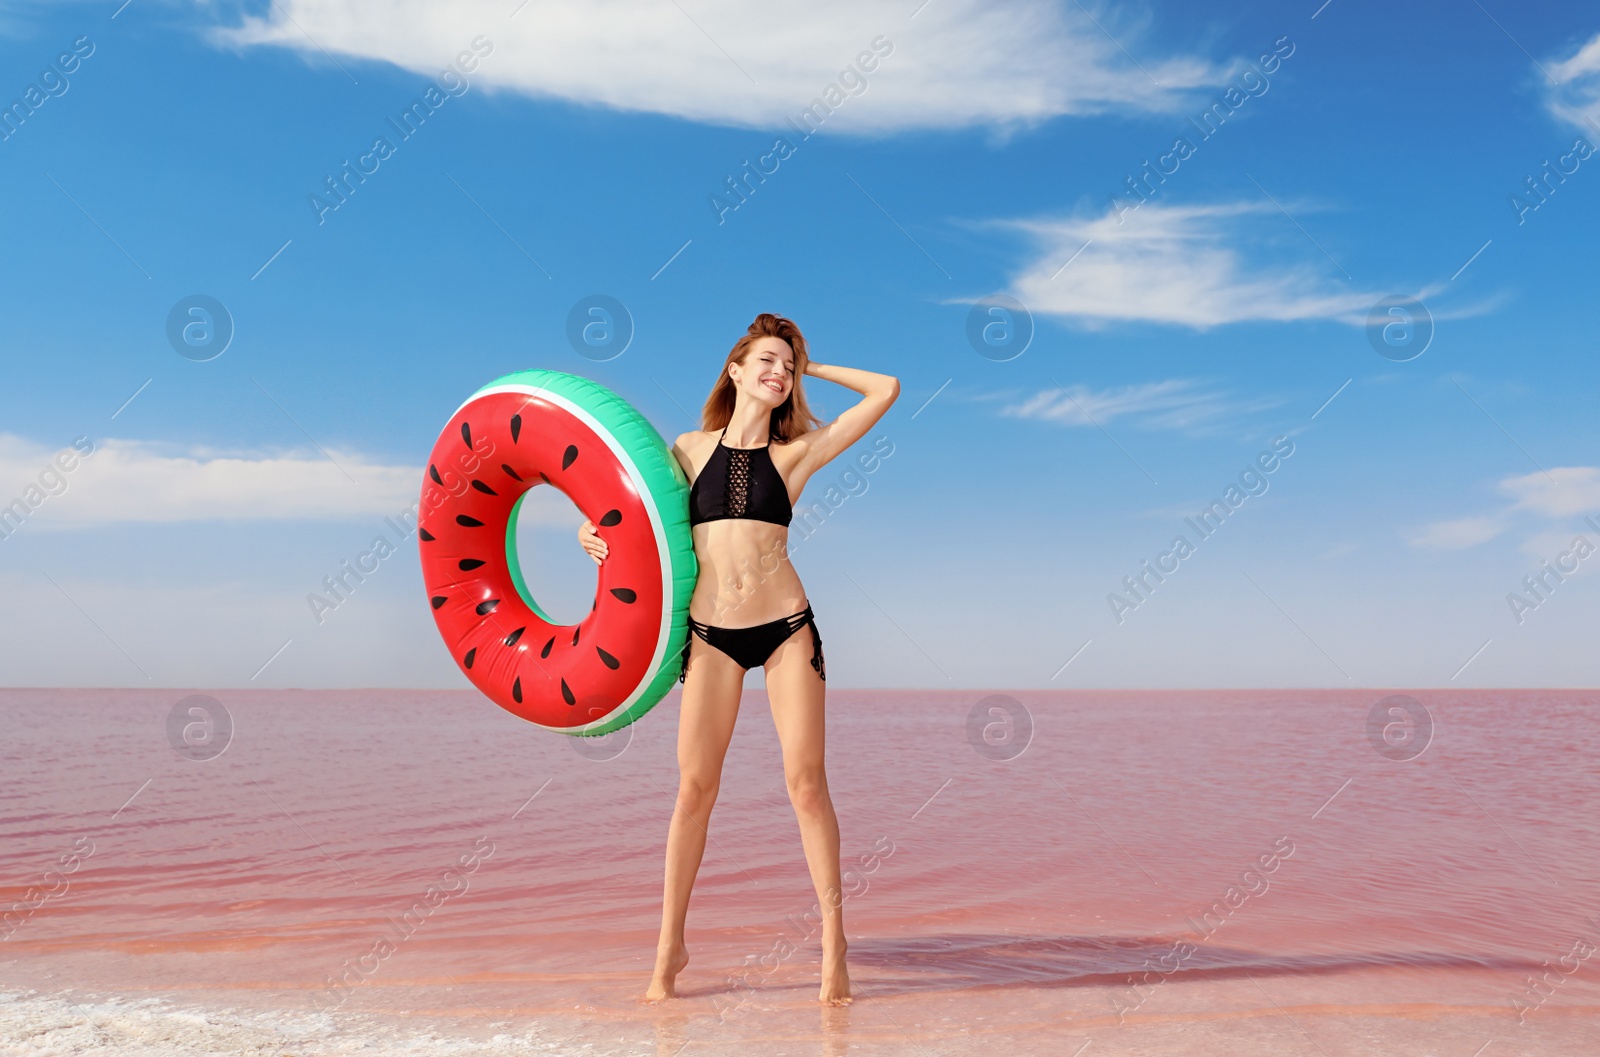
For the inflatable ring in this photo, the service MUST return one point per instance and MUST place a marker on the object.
(546, 427)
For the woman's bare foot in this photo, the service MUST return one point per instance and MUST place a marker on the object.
(669, 963)
(835, 979)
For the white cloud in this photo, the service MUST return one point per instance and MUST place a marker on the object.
(1176, 403)
(1551, 544)
(1565, 491)
(140, 481)
(1180, 264)
(958, 63)
(1561, 493)
(1458, 534)
(1575, 99)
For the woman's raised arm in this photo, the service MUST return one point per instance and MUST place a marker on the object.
(878, 391)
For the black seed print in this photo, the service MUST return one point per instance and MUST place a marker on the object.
(511, 639)
(466, 565)
(516, 690)
(471, 654)
(438, 600)
(485, 489)
(512, 473)
(610, 661)
(545, 479)
(612, 517)
(468, 522)
(575, 634)
(466, 434)
(546, 651)
(566, 693)
(485, 608)
(433, 471)
(427, 537)
(569, 455)
(516, 427)
(625, 594)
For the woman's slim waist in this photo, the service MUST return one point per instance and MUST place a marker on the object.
(765, 604)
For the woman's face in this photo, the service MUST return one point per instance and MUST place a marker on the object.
(767, 373)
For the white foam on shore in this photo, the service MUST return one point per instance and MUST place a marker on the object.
(58, 1025)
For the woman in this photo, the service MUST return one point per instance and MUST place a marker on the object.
(760, 446)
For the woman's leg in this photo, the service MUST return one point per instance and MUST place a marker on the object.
(706, 716)
(795, 690)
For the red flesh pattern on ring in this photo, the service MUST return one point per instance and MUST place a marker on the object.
(597, 483)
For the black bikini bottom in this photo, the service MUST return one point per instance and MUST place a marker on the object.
(751, 647)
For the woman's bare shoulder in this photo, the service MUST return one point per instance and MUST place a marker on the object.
(692, 439)
(687, 447)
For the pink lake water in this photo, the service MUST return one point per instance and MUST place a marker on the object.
(1183, 873)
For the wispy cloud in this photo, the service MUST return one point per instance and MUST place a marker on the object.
(1575, 99)
(1563, 492)
(1192, 265)
(1459, 533)
(129, 481)
(958, 63)
(1180, 404)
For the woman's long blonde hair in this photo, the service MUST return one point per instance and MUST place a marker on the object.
(790, 418)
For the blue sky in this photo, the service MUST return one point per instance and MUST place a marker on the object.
(985, 152)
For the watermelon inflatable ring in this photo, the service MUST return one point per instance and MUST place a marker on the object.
(538, 428)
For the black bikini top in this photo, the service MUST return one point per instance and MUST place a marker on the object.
(739, 483)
